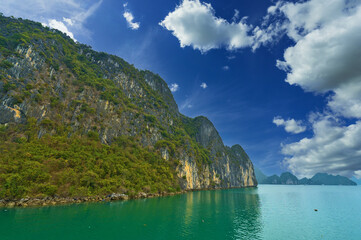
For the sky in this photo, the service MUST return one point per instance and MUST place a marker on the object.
(281, 78)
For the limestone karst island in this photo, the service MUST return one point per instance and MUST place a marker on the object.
(76, 123)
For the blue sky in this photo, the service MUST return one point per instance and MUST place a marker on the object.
(281, 78)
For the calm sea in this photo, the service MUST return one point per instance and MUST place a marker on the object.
(267, 212)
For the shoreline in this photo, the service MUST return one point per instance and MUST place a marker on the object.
(53, 201)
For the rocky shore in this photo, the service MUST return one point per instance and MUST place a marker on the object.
(49, 201)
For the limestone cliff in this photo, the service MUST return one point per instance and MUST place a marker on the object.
(229, 167)
(66, 87)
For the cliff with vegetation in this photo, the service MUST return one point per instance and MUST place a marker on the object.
(76, 122)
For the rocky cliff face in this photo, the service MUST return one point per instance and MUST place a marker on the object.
(228, 167)
(67, 87)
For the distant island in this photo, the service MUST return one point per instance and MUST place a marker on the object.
(288, 178)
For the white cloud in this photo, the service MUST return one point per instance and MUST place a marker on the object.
(325, 58)
(204, 85)
(267, 35)
(174, 87)
(347, 101)
(304, 17)
(327, 53)
(129, 18)
(195, 24)
(61, 27)
(71, 13)
(333, 149)
(225, 68)
(68, 21)
(290, 125)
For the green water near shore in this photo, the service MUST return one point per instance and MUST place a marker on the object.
(266, 212)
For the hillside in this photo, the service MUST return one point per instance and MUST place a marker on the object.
(318, 179)
(76, 122)
(327, 179)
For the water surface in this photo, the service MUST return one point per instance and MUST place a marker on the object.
(266, 212)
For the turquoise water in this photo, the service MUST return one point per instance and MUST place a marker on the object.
(266, 212)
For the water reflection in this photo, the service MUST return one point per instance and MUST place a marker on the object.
(223, 214)
(269, 212)
(220, 214)
(247, 221)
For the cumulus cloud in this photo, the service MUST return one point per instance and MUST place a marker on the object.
(225, 68)
(290, 125)
(304, 17)
(174, 87)
(204, 85)
(325, 58)
(130, 18)
(333, 149)
(297, 19)
(318, 55)
(347, 100)
(327, 53)
(194, 24)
